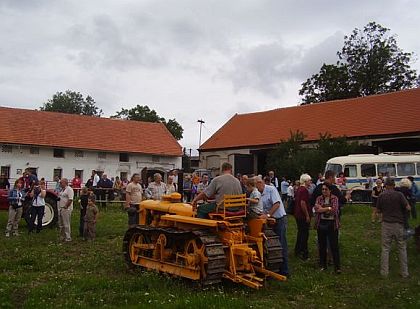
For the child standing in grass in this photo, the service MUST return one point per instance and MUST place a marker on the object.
(89, 232)
(255, 206)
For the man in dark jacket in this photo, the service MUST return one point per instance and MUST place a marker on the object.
(105, 187)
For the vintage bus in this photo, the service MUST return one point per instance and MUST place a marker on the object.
(358, 168)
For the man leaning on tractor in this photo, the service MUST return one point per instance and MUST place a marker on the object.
(219, 186)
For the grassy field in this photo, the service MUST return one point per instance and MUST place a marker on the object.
(38, 271)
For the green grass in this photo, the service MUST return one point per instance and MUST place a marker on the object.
(38, 271)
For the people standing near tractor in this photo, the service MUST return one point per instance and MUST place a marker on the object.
(219, 186)
(65, 208)
(376, 191)
(303, 214)
(104, 189)
(393, 206)
(156, 189)
(37, 209)
(327, 224)
(89, 230)
(133, 197)
(16, 197)
(273, 208)
(83, 202)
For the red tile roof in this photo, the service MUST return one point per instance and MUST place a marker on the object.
(392, 113)
(29, 127)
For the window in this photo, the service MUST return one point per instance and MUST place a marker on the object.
(336, 168)
(350, 170)
(368, 170)
(5, 170)
(406, 169)
(78, 173)
(124, 157)
(6, 148)
(34, 150)
(386, 169)
(58, 172)
(102, 155)
(123, 175)
(155, 159)
(418, 168)
(58, 153)
(79, 154)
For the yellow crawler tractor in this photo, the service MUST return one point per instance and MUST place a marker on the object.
(170, 239)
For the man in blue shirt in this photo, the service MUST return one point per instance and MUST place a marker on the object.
(273, 208)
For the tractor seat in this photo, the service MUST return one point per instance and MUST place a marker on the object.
(235, 213)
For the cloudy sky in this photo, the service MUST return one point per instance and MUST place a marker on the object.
(187, 59)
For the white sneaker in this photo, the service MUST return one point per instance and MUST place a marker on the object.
(7, 234)
(16, 233)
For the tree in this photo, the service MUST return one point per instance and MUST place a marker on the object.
(290, 159)
(72, 102)
(144, 113)
(370, 62)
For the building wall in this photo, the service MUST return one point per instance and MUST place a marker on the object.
(44, 161)
(213, 160)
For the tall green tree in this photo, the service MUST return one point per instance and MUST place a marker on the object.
(144, 113)
(370, 62)
(72, 102)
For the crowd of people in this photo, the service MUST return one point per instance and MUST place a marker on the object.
(318, 202)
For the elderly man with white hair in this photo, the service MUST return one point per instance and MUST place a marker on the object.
(273, 208)
(302, 213)
(157, 188)
(65, 208)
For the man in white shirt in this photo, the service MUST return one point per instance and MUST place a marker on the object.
(65, 208)
(95, 179)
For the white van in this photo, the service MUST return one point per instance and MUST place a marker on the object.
(358, 168)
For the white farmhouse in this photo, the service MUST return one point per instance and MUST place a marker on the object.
(64, 145)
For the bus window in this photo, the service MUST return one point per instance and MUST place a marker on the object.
(418, 168)
(368, 170)
(386, 169)
(406, 169)
(350, 170)
(336, 168)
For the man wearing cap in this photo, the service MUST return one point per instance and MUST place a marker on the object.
(393, 207)
(273, 208)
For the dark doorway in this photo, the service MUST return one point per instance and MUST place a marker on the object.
(244, 164)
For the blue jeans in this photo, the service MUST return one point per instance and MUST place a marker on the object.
(36, 211)
(280, 228)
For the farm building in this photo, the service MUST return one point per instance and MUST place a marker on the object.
(57, 144)
(386, 123)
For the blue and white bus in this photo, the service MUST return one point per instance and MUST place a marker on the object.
(358, 168)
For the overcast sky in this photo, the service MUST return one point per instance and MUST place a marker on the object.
(187, 59)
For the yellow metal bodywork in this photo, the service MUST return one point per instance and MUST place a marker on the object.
(244, 252)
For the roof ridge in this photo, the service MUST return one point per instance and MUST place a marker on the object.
(332, 101)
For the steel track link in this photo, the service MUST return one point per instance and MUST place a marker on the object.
(273, 253)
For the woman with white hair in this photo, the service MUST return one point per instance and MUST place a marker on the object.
(405, 188)
(302, 213)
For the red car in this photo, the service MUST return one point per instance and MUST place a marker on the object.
(50, 216)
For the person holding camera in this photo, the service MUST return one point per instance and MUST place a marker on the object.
(16, 198)
(327, 224)
(37, 209)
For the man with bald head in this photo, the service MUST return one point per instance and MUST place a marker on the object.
(65, 208)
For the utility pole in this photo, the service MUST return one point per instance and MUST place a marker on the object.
(201, 121)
